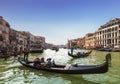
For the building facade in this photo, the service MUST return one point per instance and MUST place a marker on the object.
(72, 42)
(79, 42)
(40, 40)
(4, 32)
(109, 34)
(12, 37)
(90, 41)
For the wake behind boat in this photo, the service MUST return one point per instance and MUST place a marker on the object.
(79, 54)
(72, 69)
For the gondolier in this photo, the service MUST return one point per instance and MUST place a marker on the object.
(72, 48)
(26, 53)
(15, 52)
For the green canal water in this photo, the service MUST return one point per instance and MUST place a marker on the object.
(12, 72)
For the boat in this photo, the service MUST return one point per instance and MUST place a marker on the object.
(55, 48)
(79, 54)
(36, 48)
(116, 49)
(73, 69)
(105, 49)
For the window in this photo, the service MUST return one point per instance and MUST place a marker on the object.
(113, 41)
(115, 28)
(112, 34)
(115, 34)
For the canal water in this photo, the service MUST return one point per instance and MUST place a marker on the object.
(12, 72)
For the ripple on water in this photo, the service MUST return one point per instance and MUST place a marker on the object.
(15, 73)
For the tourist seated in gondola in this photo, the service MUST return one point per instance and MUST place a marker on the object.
(43, 63)
(53, 63)
(78, 54)
(49, 63)
(83, 53)
(37, 62)
(42, 60)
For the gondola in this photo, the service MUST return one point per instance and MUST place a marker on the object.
(37, 50)
(73, 69)
(55, 48)
(105, 49)
(79, 55)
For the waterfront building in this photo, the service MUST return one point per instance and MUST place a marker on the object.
(12, 37)
(90, 40)
(108, 35)
(72, 42)
(4, 32)
(48, 46)
(40, 40)
(81, 42)
(21, 39)
(31, 38)
(28, 38)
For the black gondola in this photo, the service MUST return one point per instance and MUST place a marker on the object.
(79, 54)
(37, 50)
(105, 49)
(73, 69)
(55, 48)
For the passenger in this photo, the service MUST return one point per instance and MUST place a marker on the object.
(53, 63)
(78, 53)
(42, 60)
(83, 53)
(26, 53)
(49, 63)
(37, 62)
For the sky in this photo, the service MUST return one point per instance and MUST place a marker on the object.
(59, 20)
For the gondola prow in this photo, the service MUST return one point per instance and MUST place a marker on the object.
(108, 59)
